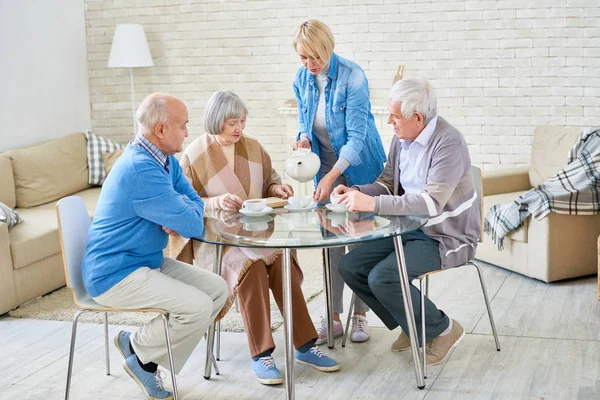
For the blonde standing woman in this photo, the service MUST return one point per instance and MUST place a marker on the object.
(335, 121)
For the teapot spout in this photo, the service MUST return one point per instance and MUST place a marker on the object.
(298, 164)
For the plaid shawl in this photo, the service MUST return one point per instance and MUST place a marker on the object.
(574, 190)
(205, 165)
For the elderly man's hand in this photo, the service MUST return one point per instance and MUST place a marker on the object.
(341, 189)
(283, 191)
(356, 201)
(230, 202)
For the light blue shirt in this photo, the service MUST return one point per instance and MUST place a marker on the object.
(413, 161)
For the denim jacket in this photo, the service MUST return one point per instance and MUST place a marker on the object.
(348, 117)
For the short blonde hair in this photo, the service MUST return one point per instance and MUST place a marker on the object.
(316, 38)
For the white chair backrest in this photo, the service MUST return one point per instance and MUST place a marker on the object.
(478, 183)
(73, 225)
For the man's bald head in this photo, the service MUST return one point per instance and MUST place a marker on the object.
(154, 109)
(163, 120)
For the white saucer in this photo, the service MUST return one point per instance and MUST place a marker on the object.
(311, 206)
(260, 213)
(336, 208)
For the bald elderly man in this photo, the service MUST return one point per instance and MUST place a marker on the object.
(144, 199)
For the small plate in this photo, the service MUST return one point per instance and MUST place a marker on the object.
(311, 206)
(336, 208)
(260, 213)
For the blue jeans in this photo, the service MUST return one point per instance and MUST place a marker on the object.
(371, 271)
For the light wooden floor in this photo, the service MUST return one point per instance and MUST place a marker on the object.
(550, 337)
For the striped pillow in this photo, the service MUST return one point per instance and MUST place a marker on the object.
(96, 145)
(9, 216)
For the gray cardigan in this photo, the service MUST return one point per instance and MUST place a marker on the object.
(448, 197)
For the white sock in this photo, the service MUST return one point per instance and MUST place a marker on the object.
(448, 329)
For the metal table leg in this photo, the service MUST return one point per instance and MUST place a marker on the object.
(408, 309)
(329, 298)
(288, 324)
(211, 330)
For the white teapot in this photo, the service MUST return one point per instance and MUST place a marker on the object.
(302, 165)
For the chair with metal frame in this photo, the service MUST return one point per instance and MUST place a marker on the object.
(73, 225)
(424, 279)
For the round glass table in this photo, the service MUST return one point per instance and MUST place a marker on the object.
(321, 228)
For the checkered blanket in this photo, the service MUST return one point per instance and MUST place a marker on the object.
(574, 190)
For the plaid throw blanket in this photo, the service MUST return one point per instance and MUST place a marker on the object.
(574, 190)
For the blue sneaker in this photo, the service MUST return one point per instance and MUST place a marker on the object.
(316, 359)
(150, 383)
(122, 343)
(265, 370)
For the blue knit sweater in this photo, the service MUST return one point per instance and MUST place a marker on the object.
(138, 198)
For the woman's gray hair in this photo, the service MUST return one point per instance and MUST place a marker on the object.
(417, 96)
(220, 107)
(152, 111)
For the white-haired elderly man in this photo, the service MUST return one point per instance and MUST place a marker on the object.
(144, 199)
(428, 172)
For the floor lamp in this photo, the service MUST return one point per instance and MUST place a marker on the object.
(130, 50)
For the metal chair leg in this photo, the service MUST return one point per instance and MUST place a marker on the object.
(106, 343)
(218, 341)
(423, 334)
(487, 303)
(72, 352)
(350, 312)
(217, 372)
(427, 285)
(170, 353)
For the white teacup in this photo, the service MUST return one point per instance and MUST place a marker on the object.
(299, 201)
(335, 199)
(254, 205)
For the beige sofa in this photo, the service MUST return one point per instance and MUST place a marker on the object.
(32, 180)
(557, 247)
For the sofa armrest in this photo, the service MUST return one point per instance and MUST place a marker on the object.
(562, 246)
(505, 181)
(8, 297)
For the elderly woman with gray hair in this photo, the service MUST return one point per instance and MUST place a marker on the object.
(226, 167)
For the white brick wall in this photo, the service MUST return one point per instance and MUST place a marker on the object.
(499, 67)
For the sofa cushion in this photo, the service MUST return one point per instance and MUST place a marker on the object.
(37, 237)
(488, 201)
(550, 151)
(49, 171)
(7, 183)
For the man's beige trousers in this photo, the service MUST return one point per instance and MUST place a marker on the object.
(192, 296)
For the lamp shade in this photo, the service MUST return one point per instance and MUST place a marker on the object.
(129, 48)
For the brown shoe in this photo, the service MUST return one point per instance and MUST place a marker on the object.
(402, 343)
(440, 348)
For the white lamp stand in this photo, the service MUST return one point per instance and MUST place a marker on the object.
(130, 50)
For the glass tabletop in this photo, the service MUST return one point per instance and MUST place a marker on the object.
(281, 228)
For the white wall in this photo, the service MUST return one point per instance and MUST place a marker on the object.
(499, 67)
(44, 89)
